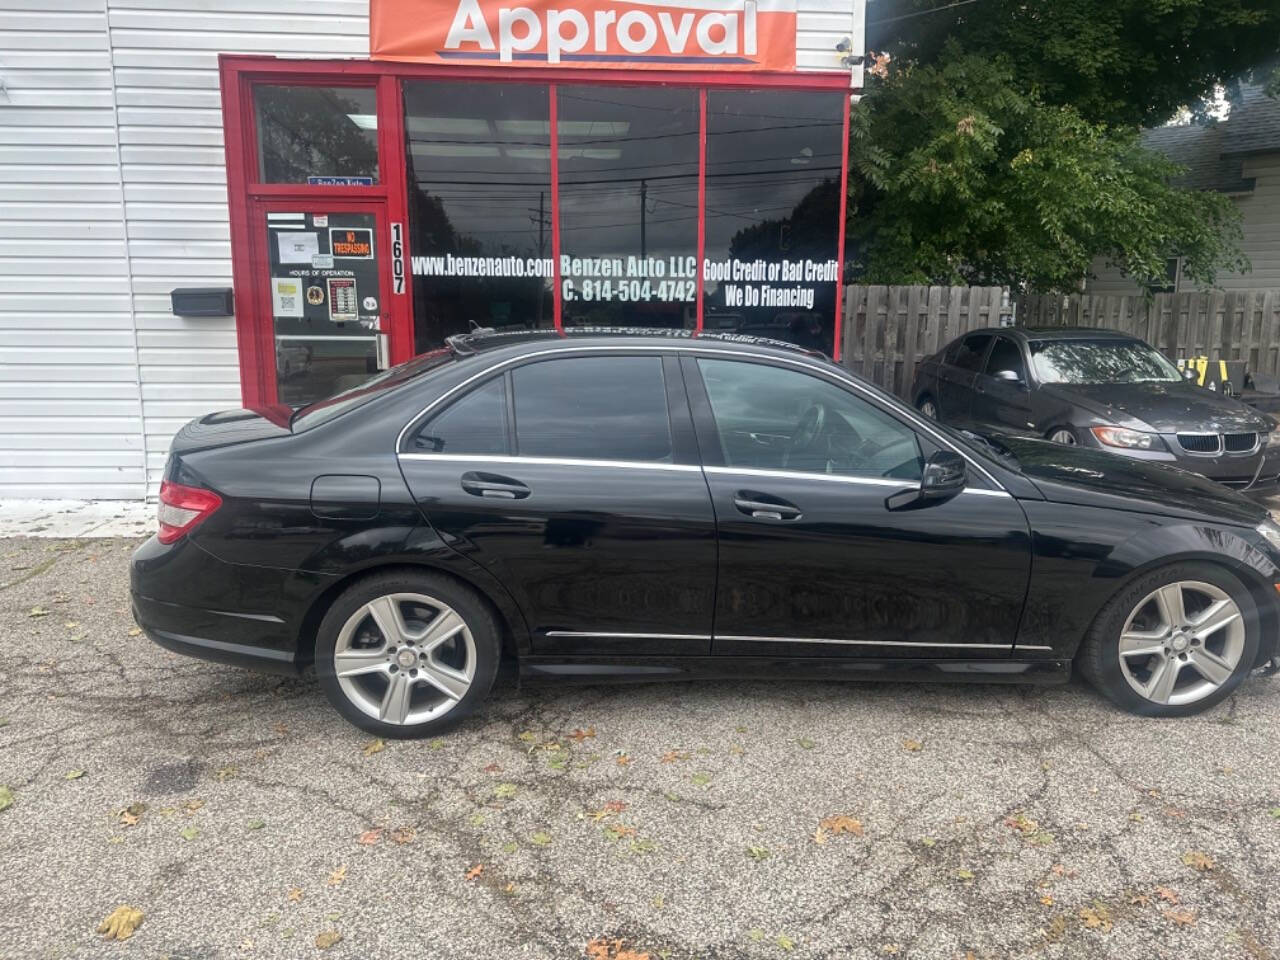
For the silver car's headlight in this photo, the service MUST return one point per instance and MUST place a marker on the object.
(1272, 439)
(1127, 439)
(1271, 530)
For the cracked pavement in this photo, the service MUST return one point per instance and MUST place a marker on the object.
(684, 818)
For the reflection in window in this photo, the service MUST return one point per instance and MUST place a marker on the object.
(597, 408)
(773, 207)
(628, 159)
(478, 157)
(775, 419)
(475, 424)
(316, 132)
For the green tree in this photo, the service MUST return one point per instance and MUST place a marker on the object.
(1001, 142)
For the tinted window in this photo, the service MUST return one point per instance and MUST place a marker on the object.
(595, 408)
(969, 357)
(317, 133)
(474, 424)
(1100, 361)
(1005, 355)
(776, 419)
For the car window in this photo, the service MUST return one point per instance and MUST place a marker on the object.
(969, 357)
(1005, 355)
(474, 424)
(596, 408)
(772, 418)
(1100, 361)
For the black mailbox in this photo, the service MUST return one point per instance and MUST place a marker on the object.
(203, 302)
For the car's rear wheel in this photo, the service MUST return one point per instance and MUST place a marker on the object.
(1174, 642)
(406, 654)
(928, 407)
(1063, 435)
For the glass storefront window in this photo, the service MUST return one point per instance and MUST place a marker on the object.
(772, 214)
(317, 135)
(478, 158)
(628, 168)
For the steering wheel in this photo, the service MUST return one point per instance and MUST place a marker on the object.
(806, 432)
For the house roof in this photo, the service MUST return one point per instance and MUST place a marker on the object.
(1212, 152)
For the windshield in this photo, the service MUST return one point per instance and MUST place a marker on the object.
(1100, 361)
(322, 411)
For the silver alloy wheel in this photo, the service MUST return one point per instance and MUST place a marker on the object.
(929, 409)
(1063, 436)
(1182, 642)
(405, 658)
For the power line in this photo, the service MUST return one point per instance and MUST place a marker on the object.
(920, 13)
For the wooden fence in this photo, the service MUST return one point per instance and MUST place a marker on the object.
(1220, 325)
(887, 330)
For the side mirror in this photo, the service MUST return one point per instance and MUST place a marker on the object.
(1009, 376)
(945, 474)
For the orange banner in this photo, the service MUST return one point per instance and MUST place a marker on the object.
(742, 35)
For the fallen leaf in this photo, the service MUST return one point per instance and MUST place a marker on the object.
(620, 830)
(601, 948)
(192, 805)
(504, 791)
(281, 729)
(38, 612)
(1137, 899)
(135, 632)
(615, 806)
(1060, 871)
(1137, 817)
(527, 736)
(227, 773)
(121, 922)
(929, 841)
(370, 837)
(758, 853)
(914, 746)
(579, 735)
(492, 768)
(757, 935)
(623, 760)
(436, 744)
(336, 878)
(671, 756)
(804, 743)
(403, 835)
(1021, 822)
(328, 939)
(819, 836)
(1165, 894)
(700, 779)
(891, 949)
(131, 814)
(474, 872)
(1198, 860)
(541, 838)
(6, 798)
(785, 942)
(71, 624)
(73, 775)
(1275, 813)
(840, 823)
(189, 833)
(1175, 813)
(1180, 918)
(256, 824)
(373, 746)
(1046, 901)
(294, 894)
(964, 873)
(510, 847)
(1096, 917)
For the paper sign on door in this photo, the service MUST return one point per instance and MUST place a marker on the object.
(286, 297)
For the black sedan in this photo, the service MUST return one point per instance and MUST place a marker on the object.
(663, 507)
(1100, 389)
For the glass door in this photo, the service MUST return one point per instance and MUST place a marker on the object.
(326, 289)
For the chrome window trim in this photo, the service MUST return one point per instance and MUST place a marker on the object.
(613, 635)
(552, 461)
(906, 414)
(836, 478)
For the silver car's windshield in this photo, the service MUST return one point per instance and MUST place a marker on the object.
(1100, 361)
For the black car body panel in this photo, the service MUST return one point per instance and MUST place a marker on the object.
(646, 570)
(1183, 415)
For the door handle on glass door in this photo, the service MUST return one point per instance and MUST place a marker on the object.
(765, 510)
(494, 485)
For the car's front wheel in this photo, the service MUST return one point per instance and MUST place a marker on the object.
(928, 406)
(407, 655)
(1174, 642)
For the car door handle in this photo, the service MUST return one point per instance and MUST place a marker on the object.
(494, 485)
(747, 503)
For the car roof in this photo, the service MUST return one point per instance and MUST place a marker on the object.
(486, 340)
(1068, 333)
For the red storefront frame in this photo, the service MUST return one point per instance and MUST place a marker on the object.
(388, 198)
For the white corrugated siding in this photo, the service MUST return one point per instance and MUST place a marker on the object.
(70, 410)
(165, 55)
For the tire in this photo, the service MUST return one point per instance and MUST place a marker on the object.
(1063, 435)
(928, 406)
(435, 686)
(1136, 620)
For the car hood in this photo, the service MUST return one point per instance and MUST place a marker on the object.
(1163, 407)
(1094, 478)
(226, 427)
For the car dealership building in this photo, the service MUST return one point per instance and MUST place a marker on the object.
(208, 205)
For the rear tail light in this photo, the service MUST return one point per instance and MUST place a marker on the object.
(182, 509)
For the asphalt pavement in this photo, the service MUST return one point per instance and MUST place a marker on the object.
(240, 817)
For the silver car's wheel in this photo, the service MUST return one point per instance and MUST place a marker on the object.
(929, 409)
(1182, 642)
(1063, 436)
(404, 658)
